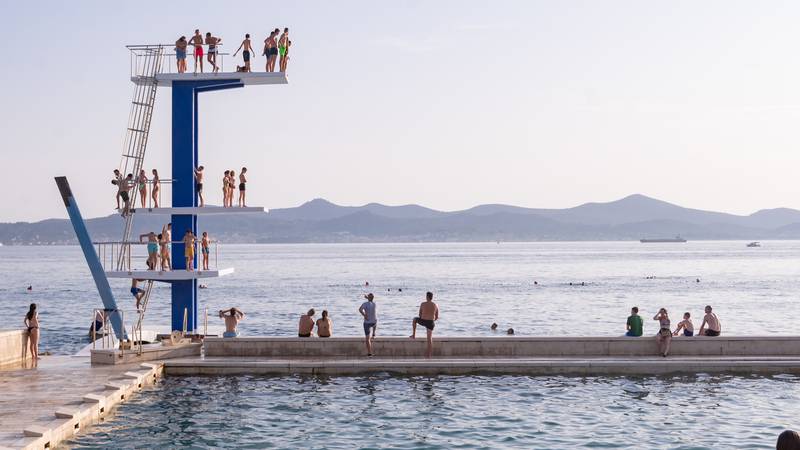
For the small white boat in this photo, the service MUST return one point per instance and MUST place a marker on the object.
(754, 244)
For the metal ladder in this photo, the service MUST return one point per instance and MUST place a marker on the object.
(137, 328)
(146, 63)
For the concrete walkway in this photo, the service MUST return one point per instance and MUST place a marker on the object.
(30, 397)
(582, 366)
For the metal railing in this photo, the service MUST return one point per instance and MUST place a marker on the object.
(108, 340)
(139, 55)
(109, 254)
(163, 183)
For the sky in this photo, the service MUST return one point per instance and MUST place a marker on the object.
(448, 104)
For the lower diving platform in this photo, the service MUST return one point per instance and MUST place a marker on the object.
(169, 275)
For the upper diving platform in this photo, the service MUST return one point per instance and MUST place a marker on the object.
(197, 210)
(245, 78)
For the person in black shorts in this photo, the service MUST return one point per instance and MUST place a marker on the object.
(242, 183)
(198, 178)
(428, 315)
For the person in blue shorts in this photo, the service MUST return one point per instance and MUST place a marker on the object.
(370, 315)
(180, 53)
(232, 318)
(136, 291)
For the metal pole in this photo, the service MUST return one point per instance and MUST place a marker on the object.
(205, 323)
(185, 320)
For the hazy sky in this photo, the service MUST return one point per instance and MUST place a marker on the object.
(445, 104)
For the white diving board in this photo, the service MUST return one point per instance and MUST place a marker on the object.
(169, 275)
(198, 210)
(246, 78)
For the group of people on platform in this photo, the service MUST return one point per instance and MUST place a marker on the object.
(276, 49)
(126, 184)
(710, 327)
(158, 248)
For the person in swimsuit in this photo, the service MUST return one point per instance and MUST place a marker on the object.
(225, 189)
(428, 315)
(664, 336)
(142, 182)
(242, 181)
(231, 187)
(306, 325)
(197, 41)
(117, 181)
(166, 243)
(286, 56)
(369, 312)
(152, 249)
(198, 184)
(204, 248)
(271, 47)
(156, 188)
(188, 249)
(212, 43)
(685, 325)
(232, 318)
(247, 53)
(32, 324)
(268, 49)
(123, 187)
(324, 325)
(137, 292)
(180, 53)
(283, 45)
(714, 327)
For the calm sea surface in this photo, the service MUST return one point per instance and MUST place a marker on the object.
(754, 291)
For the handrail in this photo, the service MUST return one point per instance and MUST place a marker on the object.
(109, 251)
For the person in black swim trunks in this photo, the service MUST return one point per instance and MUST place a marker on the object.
(246, 53)
(198, 179)
(428, 315)
(242, 182)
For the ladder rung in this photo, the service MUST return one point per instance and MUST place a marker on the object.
(132, 156)
(138, 131)
(143, 104)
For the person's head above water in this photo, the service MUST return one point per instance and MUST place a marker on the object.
(429, 296)
(494, 326)
(510, 331)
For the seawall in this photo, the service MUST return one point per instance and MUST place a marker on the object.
(13, 347)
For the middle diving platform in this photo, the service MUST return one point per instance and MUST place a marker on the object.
(169, 275)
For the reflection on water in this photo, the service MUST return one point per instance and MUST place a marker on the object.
(688, 412)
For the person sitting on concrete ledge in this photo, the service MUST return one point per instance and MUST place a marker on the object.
(306, 325)
(634, 324)
(232, 318)
(324, 325)
(428, 315)
(664, 335)
(685, 325)
(788, 440)
(714, 327)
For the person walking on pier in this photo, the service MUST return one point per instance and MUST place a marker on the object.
(369, 312)
(197, 41)
(212, 43)
(283, 46)
(242, 182)
(156, 188)
(204, 249)
(137, 292)
(198, 184)
(714, 327)
(306, 326)
(32, 324)
(232, 318)
(188, 250)
(685, 325)
(664, 335)
(180, 54)
(634, 324)
(247, 53)
(428, 315)
(142, 182)
(324, 325)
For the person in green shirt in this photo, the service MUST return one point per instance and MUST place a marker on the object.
(635, 322)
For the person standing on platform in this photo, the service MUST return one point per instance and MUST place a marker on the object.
(204, 249)
(369, 312)
(283, 45)
(180, 54)
(231, 187)
(142, 182)
(232, 318)
(152, 249)
(324, 325)
(225, 189)
(306, 326)
(188, 250)
(198, 184)
(714, 327)
(212, 43)
(242, 182)
(156, 188)
(286, 56)
(166, 246)
(271, 46)
(247, 53)
(32, 324)
(634, 324)
(428, 315)
(197, 41)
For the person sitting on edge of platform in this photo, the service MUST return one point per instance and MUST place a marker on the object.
(188, 250)
(123, 187)
(32, 324)
(197, 41)
(788, 440)
(369, 312)
(324, 325)
(232, 318)
(166, 244)
(685, 325)
(204, 249)
(180, 53)
(428, 315)
(137, 292)
(306, 326)
(494, 326)
(710, 319)
(152, 249)
(634, 324)
(664, 335)
(510, 332)
(156, 188)
(117, 181)
(247, 53)
(198, 184)
(212, 42)
(242, 183)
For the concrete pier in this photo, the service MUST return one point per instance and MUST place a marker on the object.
(13, 347)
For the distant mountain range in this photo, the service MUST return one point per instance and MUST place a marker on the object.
(631, 218)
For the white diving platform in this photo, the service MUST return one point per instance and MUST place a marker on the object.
(169, 275)
(246, 78)
(200, 211)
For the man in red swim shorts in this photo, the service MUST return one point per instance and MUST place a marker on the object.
(197, 41)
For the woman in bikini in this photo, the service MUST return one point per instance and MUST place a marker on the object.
(156, 188)
(664, 336)
(32, 323)
(231, 187)
(242, 181)
(225, 189)
(142, 180)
